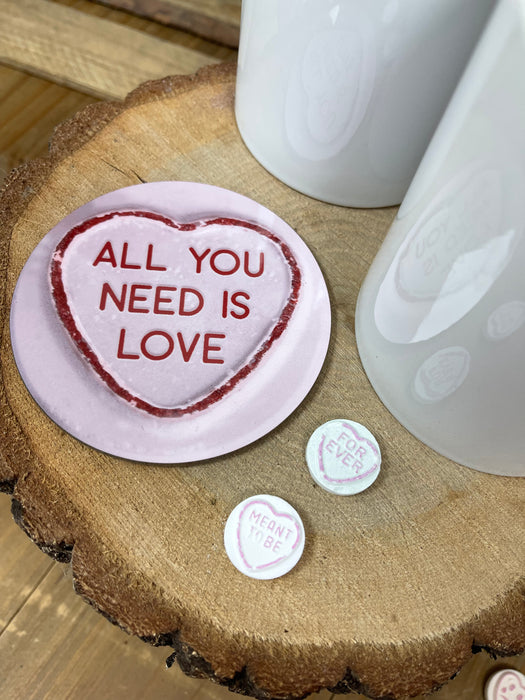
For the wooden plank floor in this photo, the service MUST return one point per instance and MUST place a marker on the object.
(55, 647)
(52, 645)
(81, 45)
(218, 20)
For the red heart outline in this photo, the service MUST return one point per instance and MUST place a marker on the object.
(64, 311)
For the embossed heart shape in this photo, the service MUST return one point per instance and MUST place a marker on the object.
(172, 316)
(348, 458)
(266, 537)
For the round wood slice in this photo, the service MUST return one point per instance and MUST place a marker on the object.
(397, 586)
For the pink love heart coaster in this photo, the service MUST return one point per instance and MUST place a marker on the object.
(507, 684)
(343, 457)
(162, 365)
(167, 322)
(264, 537)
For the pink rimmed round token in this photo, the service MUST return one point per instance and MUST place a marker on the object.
(506, 684)
(343, 457)
(264, 537)
(170, 322)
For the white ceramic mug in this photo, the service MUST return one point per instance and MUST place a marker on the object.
(440, 320)
(339, 98)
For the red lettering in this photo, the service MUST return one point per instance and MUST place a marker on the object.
(162, 355)
(199, 258)
(230, 264)
(182, 304)
(149, 259)
(152, 347)
(121, 355)
(245, 309)
(222, 271)
(159, 299)
(107, 291)
(124, 262)
(212, 348)
(134, 297)
(187, 352)
(106, 255)
(247, 265)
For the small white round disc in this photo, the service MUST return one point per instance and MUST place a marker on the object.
(507, 684)
(343, 457)
(264, 537)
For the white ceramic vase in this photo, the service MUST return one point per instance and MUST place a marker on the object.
(440, 319)
(339, 98)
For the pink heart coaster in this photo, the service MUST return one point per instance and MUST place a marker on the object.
(507, 684)
(167, 322)
(172, 316)
(264, 537)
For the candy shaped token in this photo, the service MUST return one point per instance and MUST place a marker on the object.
(264, 537)
(343, 457)
(167, 322)
(507, 684)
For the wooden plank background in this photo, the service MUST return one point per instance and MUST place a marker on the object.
(217, 20)
(55, 58)
(90, 53)
(53, 646)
